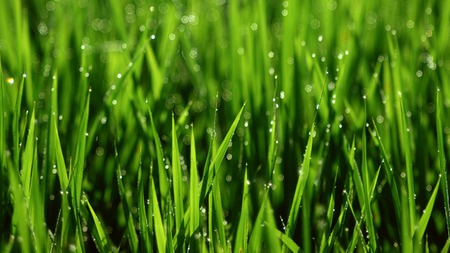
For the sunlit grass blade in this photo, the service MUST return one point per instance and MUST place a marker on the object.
(132, 236)
(101, 240)
(162, 174)
(217, 159)
(16, 120)
(177, 181)
(409, 170)
(423, 222)
(442, 161)
(159, 229)
(389, 173)
(27, 156)
(241, 241)
(301, 183)
(193, 186)
(291, 245)
(21, 216)
(145, 230)
(256, 238)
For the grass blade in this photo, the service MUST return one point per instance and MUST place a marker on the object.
(423, 222)
(177, 181)
(442, 161)
(100, 237)
(145, 236)
(193, 189)
(409, 171)
(217, 159)
(301, 183)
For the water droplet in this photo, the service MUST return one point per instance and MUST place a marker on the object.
(10, 80)
(119, 75)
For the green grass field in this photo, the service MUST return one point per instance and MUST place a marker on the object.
(224, 126)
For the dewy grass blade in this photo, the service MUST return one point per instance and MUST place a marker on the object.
(177, 181)
(242, 230)
(423, 222)
(100, 237)
(442, 161)
(217, 159)
(132, 236)
(159, 229)
(389, 173)
(20, 217)
(193, 189)
(285, 239)
(162, 174)
(143, 221)
(27, 156)
(409, 170)
(301, 183)
(16, 120)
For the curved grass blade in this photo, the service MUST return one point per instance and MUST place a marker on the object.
(242, 230)
(132, 236)
(100, 237)
(163, 181)
(193, 189)
(301, 183)
(285, 239)
(442, 161)
(218, 157)
(177, 181)
(409, 170)
(145, 236)
(423, 222)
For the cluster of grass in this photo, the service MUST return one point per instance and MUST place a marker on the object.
(209, 126)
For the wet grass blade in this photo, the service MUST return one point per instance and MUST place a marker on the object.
(241, 241)
(442, 161)
(409, 170)
(100, 237)
(132, 236)
(145, 235)
(159, 229)
(177, 181)
(193, 189)
(162, 174)
(301, 183)
(290, 244)
(218, 157)
(423, 222)
(27, 156)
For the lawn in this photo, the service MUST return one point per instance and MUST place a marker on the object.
(224, 126)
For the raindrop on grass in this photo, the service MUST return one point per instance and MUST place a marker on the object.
(119, 75)
(10, 80)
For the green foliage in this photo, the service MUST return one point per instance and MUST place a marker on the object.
(235, 126)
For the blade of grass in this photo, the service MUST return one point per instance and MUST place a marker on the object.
(100, 238)
(177, 181)
(132, 236)
(301, 183)
(285, 239)
(442, 161)
(193, 189)
(423, 222)
(162, 174)
(159, 229)
(217, 159)
(145, 236)
(241, 240)
(409, 170)
(27, 157)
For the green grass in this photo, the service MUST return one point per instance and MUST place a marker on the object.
(234, 126)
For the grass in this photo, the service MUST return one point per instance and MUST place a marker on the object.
(210, 126)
